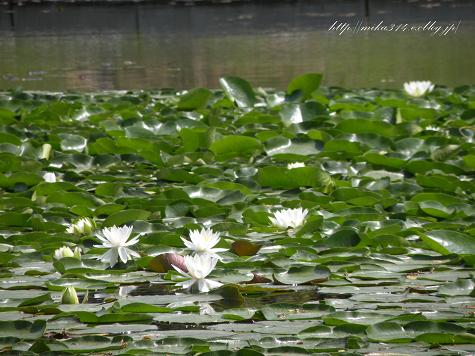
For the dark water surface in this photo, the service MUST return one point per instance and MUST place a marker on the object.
(96, 46)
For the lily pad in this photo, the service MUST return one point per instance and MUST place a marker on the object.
(238, 90)
(302, 275)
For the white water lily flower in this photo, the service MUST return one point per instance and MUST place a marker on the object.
(295, 165)
(418, 89)
(199, 267)
(49, 177)
(82, 226)
(203, 242)
(115, 239)
(286, 218)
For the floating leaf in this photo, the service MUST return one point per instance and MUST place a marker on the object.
(238, 90)
(245, 248)
(460, 287)
(358, 126)
(434, 208)
(72, 142)
(279, 177)
(305, 84)
(124, 217)
(445, 242)
(342, 238)
(280, 145)
(354, 317)
(303, 274)
(23, 329)
(388, 332)
(194, 99)
(233, 146)
(298, 113)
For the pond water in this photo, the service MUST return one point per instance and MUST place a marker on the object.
(99, 46)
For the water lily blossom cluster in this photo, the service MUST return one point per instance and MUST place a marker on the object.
(202, 262)
(199, 267)
(65, 251)
(203, 242)
(82, 226)
(116, 239)
(292, 218)
(418, 89)
(295, 165)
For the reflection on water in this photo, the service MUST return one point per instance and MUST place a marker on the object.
(89, 47)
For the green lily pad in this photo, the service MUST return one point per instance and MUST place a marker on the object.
(238, 90)
(388, 331)
(23, 329)
(302, 275)
(283, 178)
(126, 217)
(446, 241)
(194, 99)
(233, 146)
(304, 85)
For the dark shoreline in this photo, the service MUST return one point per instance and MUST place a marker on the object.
(366, 4)
(157, 2)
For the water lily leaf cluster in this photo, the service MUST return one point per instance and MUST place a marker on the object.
(345, 217)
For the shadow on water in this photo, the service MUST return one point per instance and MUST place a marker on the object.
(273, 296)
(253, 300)
(91, 46)
(151, 289)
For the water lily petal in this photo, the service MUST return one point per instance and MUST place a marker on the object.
(110, 257)
(205, 285)
(132, 241)
(186, 284)
(188, 243)
(179, 270)
(102, 238)
(132, 253)
(123, 254)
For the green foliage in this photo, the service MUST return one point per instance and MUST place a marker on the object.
(383, 263)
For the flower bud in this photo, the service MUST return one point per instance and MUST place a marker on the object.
(46, 151)
(70, 296)
(63, 252)
(77, 253)
(82, 226)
